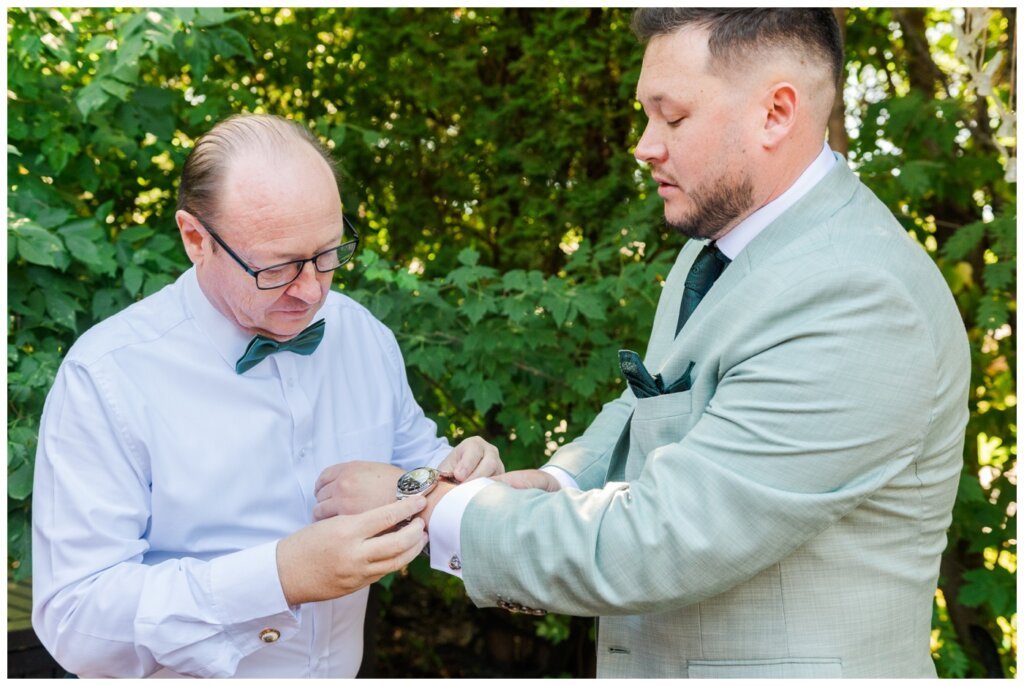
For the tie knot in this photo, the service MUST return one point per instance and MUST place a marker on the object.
(706, 268)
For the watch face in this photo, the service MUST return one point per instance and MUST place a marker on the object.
(415, 481)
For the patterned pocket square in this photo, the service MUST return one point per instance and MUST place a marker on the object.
(642, 383)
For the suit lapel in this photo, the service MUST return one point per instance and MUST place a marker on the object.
(830, 194)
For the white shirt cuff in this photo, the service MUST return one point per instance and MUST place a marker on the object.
(446, 526)
(563, 477)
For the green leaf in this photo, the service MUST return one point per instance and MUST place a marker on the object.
(484, 395)
(917, 176)
(469, 257)
(999, 276)
(994, 587)
(338, 135)
(62, 309)
(371, 138)
(119, 90)
(129, 51)
(19, 482)
(37, 245)
(212, 16)
(465, 277)
(19, 542)
(970, 490)
(135, 233)
(514, 280)
(229, 43)
(97, 44)
(961, 243)
(108, 301)
(591, 307)
(583, 383)
(558, 307)
(554, 628)
(133, 276)
(475, 308)
(50, 217)
(154, 282)
(91, 98)
(84, 250)
(82, 238)
(993, 312)
(388, 579)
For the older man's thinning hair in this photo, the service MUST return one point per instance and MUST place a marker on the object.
(237, 136)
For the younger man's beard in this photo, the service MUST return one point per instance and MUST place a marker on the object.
(716, 207)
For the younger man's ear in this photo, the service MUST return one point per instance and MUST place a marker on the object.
(780, 107)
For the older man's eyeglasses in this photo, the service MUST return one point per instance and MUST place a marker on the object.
(280, 275)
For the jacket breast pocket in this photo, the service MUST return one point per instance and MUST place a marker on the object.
(661, 420)
(777, 668)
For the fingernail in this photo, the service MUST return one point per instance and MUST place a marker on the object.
(419, 501)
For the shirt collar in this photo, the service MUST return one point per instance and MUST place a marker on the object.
(732, 243)
(226, 338)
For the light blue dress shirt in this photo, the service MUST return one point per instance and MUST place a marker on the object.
(164, 481)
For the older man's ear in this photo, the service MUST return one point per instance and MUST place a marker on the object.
(191, 237)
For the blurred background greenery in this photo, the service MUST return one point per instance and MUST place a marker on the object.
(511, 240)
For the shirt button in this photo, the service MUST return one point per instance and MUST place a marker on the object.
(455, 564)
(270, 635)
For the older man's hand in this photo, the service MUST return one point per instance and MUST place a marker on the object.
(472, 459)
(340, 555)
(354, 487)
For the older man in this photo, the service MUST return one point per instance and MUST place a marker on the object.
(770, 495)
(181, 441)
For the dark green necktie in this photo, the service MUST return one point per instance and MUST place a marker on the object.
(261, 346)
(706, 268)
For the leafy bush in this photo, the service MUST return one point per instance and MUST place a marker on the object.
(511, 242)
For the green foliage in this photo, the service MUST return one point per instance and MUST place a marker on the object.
(928, 144)
(509, 240)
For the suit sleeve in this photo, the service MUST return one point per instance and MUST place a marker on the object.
(821, 398)
(587, 458)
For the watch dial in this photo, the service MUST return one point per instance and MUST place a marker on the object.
(413, 481)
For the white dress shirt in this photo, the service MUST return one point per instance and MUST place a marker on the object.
(446, 520)
(164, 480)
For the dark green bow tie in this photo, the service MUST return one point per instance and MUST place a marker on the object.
(261, 346)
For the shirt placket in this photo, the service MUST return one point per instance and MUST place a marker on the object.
(300, 408)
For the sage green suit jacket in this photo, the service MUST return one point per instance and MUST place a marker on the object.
(785, 516)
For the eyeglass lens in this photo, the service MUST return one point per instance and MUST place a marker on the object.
(324, 262)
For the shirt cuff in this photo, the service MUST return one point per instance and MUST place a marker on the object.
(446, 526)
(563, 477)
(245, 585)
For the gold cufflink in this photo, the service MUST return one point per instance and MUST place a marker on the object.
(269, 635)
